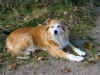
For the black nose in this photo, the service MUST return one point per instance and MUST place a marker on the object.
(55, 31)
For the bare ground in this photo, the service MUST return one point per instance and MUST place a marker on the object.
(53, 66)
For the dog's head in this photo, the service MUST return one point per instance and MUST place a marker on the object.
(56, 26)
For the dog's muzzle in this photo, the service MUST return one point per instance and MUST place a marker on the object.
(56, 32)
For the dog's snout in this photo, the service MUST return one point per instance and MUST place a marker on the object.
(55, 31)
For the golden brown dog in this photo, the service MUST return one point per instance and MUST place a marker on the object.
(52, 38)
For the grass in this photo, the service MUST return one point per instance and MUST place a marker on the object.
(80, 18)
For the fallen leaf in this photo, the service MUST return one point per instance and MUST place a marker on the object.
(75, 9)
(90, 46)
(40, 58)
(97, 57)
(65, 70)
(65, 12)
(71, 16)
(8, 27)
(92, 62)
(27, 18)
(12, 67)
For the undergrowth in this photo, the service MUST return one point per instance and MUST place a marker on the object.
(79, 15)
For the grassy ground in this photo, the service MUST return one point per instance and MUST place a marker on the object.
(80, 19)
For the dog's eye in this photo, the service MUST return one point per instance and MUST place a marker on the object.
(52, 26)
(58, 26)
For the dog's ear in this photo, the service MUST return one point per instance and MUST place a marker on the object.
(48, 21)
(47, 28)
(63, 22)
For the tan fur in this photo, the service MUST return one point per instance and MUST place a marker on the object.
(41, 37)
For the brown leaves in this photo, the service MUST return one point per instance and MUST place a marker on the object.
(97, 57)
(65, 12)
(8, 27)
(40, 58)
(42, 4)
(92, 62)
(12, 67)
(90, 46)
(75, 9)
(65, 70)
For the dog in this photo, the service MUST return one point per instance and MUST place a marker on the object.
(52, 38)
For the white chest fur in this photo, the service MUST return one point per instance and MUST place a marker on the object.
(65, 43)
(62, 41)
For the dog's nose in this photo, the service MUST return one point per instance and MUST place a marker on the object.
(55, 31)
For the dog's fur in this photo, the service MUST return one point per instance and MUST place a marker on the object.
(52, 38)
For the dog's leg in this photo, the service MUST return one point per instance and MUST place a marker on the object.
(78, 51)
(27, 52)
(24, 56)
(54, 49)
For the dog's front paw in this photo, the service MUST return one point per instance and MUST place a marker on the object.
(82, 53)
(75, 58)
(78, 51)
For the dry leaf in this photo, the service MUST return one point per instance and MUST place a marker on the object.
(71, 16)
(28, 18)
(8, 27)
(12, 67)
(90, 45)
(75, 9)
(66, 70)
(40, 58)
(97, 57)
(92, 62)
(65, 12)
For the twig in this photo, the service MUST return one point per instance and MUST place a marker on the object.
(4, 30)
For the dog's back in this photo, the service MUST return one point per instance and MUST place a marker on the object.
(21, 39)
